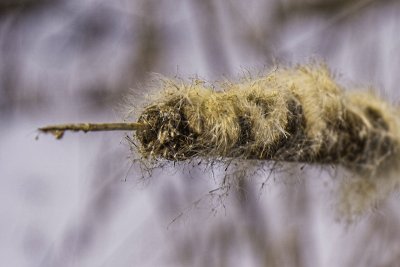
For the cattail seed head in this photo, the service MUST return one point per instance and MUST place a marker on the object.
(290, 115)
(297, 114)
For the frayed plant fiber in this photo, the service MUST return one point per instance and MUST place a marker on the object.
(297, 114)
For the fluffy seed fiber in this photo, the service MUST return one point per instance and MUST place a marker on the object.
(292, 114)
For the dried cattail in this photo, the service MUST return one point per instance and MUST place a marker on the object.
(292, 115)
(295, 114)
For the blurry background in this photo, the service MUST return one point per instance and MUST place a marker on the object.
(79, 202)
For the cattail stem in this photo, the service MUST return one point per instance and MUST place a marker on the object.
(59, 130)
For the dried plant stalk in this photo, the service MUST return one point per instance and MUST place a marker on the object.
(59, 130)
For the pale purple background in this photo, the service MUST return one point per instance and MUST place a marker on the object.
(77, 202)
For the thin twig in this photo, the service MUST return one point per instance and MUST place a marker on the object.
(59, 130)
